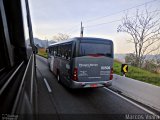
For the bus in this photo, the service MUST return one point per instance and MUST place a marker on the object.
(82, 62)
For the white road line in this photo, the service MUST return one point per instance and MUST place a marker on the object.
(48, 87)
(150, 112)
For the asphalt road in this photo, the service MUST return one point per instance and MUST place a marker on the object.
(58, 102)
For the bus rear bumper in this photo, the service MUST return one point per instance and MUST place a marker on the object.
(76, 84)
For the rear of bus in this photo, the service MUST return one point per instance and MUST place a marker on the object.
(93, 63)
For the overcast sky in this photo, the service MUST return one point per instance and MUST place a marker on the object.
(50, 17)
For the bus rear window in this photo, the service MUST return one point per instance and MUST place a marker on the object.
(87, 49)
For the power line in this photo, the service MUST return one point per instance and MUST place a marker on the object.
(103, 23)
(73, 30)
(120, 11)
(116, 20)
(73, 27)
(87, 21)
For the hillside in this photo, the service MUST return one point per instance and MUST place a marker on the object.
(138, 74)
(40, 43)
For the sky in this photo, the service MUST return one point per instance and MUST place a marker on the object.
(50, 17)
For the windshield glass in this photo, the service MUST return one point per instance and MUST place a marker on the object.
(95, 49)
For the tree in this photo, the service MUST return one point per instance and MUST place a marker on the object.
(144, 32)
(130, 59)
(152, 65)
(61, 37)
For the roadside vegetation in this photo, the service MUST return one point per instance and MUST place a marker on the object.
(138, 74)
(42, 52)
(144, 33)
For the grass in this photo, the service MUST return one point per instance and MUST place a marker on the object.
(138, 74)
(42, 52)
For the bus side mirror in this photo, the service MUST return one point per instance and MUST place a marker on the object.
(46, 50)
(35, 51)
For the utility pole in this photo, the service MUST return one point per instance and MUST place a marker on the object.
(82, 28)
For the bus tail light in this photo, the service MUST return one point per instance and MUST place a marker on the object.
(75, 74)
(111, 74)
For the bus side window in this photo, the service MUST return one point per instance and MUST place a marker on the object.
(63, 51)
(68, 51)
(52, 49)
(55, 51)
(69, 54)
(60, 51)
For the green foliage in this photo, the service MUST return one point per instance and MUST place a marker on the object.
(152, 65)
(117, 67)
(131, 58)
(43, 54)
(138, 74)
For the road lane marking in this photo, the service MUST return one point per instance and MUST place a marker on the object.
(150, 112)
(47, 85)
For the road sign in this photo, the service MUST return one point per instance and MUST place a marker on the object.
(124, 68)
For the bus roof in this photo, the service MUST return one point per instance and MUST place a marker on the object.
(84, 39)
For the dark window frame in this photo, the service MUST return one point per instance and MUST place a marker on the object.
(4, 58)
